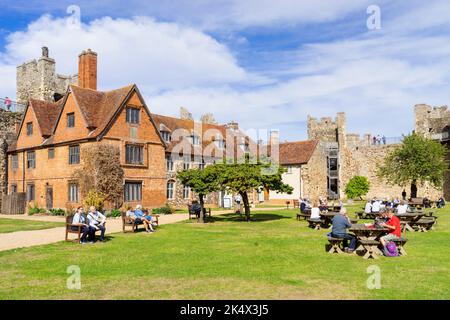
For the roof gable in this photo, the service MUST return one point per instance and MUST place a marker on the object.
(299, 152)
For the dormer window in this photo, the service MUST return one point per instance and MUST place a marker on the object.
(70, 120)
(29, 128)
(133, 115)
(220, 143)
(195, 140)
(166, 136)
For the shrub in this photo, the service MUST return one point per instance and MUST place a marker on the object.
(358, 186)
(35, 209)
(163, 210)
(94, 198)
(115, 213)
(57, 212)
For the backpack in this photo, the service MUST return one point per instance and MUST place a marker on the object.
(390, 250)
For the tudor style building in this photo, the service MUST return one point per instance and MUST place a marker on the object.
(50, 136)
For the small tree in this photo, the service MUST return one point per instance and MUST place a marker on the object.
(201, 182)
(101, 171)
(94, 198)
(357, 187)
(245, 177)
(416, 161)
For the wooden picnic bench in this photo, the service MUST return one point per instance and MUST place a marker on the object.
(315, 224)
(400, 242)
(74, 229)
(303, 216)
(368, 239)
(371, 248)
(425, 224)
(296, 204)
(335, 245)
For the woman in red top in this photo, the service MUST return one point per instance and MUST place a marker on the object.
(393, 224)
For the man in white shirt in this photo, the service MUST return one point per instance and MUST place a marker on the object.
(97, 221)
(368, 207)
(402, 208)
(376, 206)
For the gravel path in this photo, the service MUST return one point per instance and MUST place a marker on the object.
(22, 239)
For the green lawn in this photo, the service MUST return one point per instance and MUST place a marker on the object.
(12, 225)
(274, 257)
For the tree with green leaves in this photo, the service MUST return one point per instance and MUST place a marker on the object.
(416, 161)
(202, 182)
(357, 187)
(245, 177)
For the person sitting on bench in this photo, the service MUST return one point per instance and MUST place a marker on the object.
(196, 208)
(97, 221)
(79, 219)
(393, 224)
(315, 212)
(440, 203)
(140, 218)
(341, 223)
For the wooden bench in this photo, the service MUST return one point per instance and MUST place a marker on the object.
(335, 245)
(303, 216)
(425, 224)
(371, 248)
(315, 224)
(74, 229)
(296, 204)
(400, 242)
(130, 222)
(206, 213)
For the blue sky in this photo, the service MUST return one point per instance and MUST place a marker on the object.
(266, 64)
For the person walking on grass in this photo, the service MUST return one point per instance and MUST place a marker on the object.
(97, 222)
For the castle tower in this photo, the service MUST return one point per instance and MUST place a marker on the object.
(38, 80)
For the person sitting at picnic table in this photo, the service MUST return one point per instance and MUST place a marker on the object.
(303, 206)
(368, 207)
(340, 224)
(97, 221)
(426, 203)
(440, 203)
(396, 202)
(402, 208)
(376, 206)
(79, 219)
(315, 211)
(139, 217)
(323, 204)
(148, 217)
(393, 224)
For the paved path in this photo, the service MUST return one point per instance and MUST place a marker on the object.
(22, 239)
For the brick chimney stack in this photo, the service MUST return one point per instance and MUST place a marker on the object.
(87, 70)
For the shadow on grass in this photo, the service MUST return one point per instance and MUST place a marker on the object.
(260, 217)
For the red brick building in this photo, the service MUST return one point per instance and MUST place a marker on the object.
(51, 135)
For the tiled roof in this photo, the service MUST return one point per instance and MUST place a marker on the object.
(99, 107)
(46, 115)
(298, 152)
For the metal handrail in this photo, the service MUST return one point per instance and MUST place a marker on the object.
(13, 106)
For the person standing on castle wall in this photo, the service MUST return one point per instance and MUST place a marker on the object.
(8, 104)
(378, 139)
(374, 140)
(384, 140)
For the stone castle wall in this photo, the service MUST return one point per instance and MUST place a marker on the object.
(432, 121)
(8, 122)
(314, 175)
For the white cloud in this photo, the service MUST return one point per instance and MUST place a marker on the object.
(154, 55)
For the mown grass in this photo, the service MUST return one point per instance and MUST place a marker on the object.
(11, 225)
(273, 257)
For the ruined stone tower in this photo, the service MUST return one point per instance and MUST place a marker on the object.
(38, 79)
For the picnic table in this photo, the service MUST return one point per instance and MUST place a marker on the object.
(368, 239)
(327, 218)
(409, 220)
